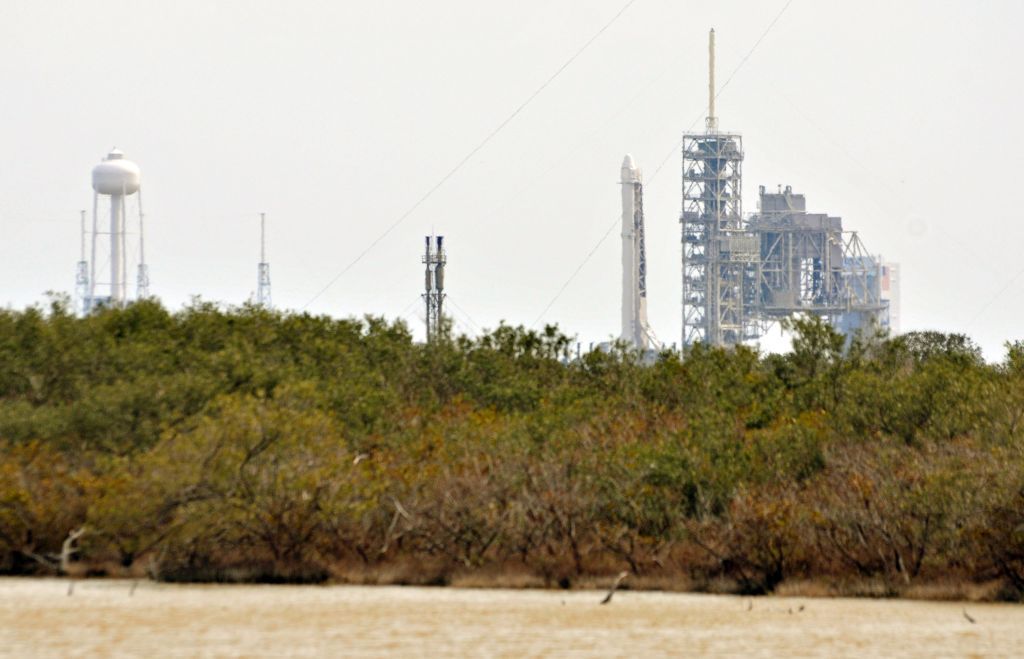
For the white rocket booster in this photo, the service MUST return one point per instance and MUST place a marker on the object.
(635, 329)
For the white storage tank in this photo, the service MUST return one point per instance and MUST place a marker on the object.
(116, 175)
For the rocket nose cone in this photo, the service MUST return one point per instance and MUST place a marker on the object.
(627, 162)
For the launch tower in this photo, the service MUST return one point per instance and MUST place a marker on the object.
(716, 249)
(743, 274)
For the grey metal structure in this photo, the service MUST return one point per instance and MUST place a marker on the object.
(433, 297)
(743, 274)
(808, 264)
(717, 251)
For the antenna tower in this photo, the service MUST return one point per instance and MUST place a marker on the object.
(434, 295)
(263, 274)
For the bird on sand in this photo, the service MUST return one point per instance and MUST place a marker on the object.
(618, 580)
(969, 618)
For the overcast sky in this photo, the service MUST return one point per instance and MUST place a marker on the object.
(904, 118)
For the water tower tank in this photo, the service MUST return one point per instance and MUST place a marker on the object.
(115, 175)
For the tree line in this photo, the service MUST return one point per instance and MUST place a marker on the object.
(244, 443)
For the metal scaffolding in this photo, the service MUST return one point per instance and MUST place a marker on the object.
(739, 278)
(743, 274)
(809, 264)
(717, 251)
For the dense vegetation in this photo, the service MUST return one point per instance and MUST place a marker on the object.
(213, 444)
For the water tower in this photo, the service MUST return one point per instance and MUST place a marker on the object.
(115, 179)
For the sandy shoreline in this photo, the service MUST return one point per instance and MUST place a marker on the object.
(107, 617)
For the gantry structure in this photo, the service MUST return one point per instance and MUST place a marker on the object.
(807, 263)
(717, 248)
(742, 274)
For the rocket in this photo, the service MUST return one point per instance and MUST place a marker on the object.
(636, 331)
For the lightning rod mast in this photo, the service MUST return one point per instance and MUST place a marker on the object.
(263, 273)
(82, 276)
(142, 276)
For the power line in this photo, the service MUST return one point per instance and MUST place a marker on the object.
(474, 326)
(576, 272)
(522, 106)
(587, 142)
(1010, 282)
(753, 48)
(603, 238)
(409, 308)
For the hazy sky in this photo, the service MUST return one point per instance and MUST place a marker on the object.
(334, 117)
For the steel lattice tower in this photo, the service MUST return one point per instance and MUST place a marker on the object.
(433, 296)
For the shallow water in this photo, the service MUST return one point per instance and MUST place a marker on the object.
(104, 617)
